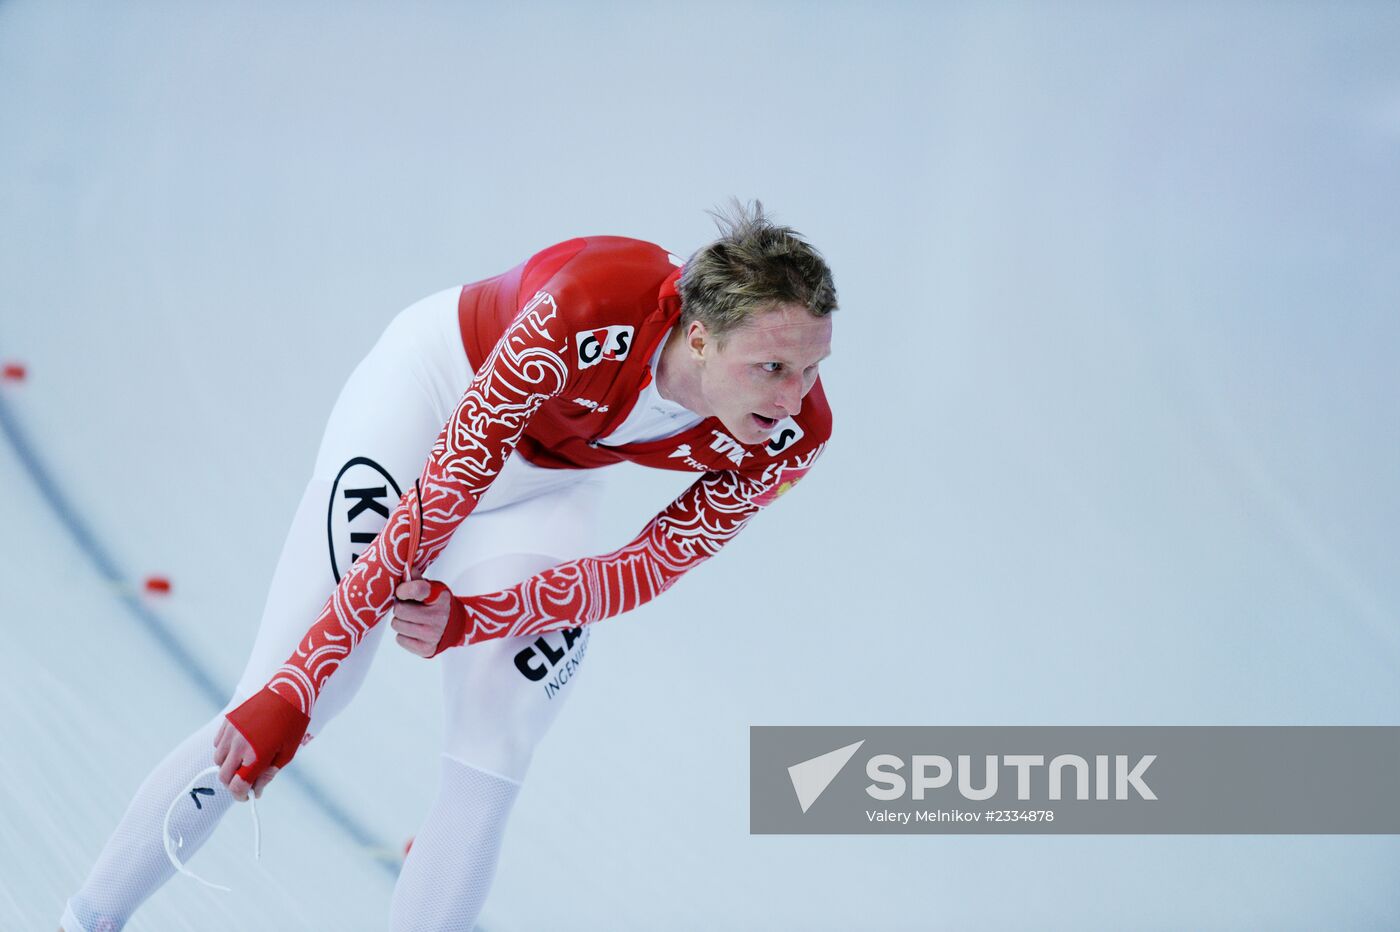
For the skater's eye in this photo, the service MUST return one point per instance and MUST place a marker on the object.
(771, 366)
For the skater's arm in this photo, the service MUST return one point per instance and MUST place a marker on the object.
(527, 366)
(687, 532)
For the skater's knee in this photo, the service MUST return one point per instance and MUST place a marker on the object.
(505, 755)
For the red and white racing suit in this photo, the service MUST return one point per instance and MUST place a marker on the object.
(546, 361)
(560, 347)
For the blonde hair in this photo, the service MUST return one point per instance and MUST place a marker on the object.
(753, 266)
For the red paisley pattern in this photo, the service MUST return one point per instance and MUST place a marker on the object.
(690, 530)
(527, 367)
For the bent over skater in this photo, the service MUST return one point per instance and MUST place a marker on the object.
(594, 351)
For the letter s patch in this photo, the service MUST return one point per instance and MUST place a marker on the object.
(784, 436)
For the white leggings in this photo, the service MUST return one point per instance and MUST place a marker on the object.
(501, 696)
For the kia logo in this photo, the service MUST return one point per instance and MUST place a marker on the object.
(361, 499)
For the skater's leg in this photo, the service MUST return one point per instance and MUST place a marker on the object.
(501, 697)
(450, 867)
(376, 439)
(134, 863)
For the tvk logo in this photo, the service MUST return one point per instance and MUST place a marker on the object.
(727, 445)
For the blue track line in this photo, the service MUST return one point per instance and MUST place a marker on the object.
(162, 634)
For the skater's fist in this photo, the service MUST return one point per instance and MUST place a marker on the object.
(428, 619)
(257, 739)
(232, 751)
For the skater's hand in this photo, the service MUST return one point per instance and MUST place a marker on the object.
(259, 737)
(427, 617)
(231, 751)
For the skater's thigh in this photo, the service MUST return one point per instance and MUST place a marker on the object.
(375, 443)
(395, 403)
(501, 696)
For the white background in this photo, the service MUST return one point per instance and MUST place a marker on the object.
(1115, 394)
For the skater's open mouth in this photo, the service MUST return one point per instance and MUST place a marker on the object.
(767, 423)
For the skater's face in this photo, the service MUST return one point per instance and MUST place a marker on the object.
(757, 374)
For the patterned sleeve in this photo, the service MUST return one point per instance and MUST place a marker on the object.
(686, 533)
(527, 367)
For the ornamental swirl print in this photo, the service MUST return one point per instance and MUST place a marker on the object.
(528, 366)
(689, 531)
(525, 368)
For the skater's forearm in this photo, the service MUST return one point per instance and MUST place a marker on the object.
(524, 370)
(689, 531)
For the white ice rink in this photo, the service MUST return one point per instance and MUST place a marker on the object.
(1115, 389)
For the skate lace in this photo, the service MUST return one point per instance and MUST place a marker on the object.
(171, 844)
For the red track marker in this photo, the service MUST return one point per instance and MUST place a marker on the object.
(158, 584)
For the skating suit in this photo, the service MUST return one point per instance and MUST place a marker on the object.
(560, 348)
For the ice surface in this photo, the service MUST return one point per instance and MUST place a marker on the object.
(1115, 396)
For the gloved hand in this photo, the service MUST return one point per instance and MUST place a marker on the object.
(257, 739)
(428, 618)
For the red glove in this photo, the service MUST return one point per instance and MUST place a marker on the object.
(273, 726)
(455, 634)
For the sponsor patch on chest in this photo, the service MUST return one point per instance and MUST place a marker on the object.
(727, 445)
(683, 453)
(785, 435)
(605, 344)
